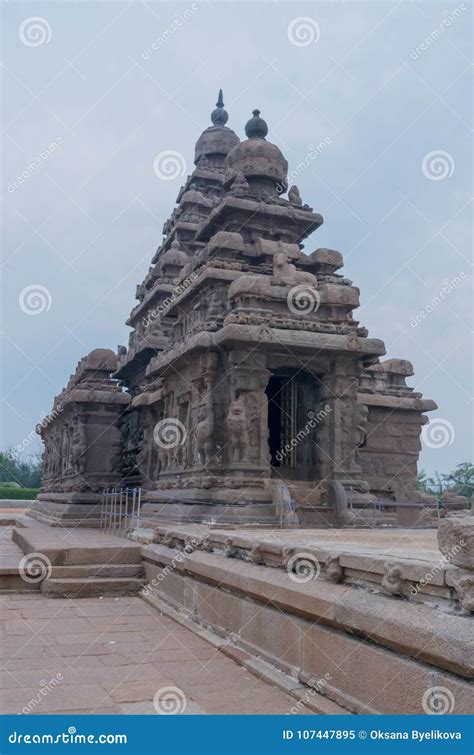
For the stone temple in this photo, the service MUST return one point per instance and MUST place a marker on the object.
(274, 451)
(248, 393)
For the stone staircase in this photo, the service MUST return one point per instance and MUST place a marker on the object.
(93, 580)
(79, 563)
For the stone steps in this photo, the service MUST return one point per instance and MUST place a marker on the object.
(97, 570)
(78, 587)
(11, 579)
(78, 564)
(71, 548)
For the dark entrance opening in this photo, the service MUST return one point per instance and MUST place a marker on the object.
(274, 419)
(282, 403)
(293, 399)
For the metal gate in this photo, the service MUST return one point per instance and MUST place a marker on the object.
(120, 511)
(288, 428)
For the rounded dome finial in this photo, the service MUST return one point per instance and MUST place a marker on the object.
(256, 128)
(219, 116)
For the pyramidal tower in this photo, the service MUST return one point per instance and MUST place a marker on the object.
(247, 384)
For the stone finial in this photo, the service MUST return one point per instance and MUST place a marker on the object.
(256, 128)
(219, 116)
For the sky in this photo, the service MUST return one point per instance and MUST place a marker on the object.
(373, 99)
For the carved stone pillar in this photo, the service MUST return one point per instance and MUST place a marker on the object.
(247, 419)
(343, 427)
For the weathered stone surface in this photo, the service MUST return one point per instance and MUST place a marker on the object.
(456, 540)
(244, 364)
(411, 629)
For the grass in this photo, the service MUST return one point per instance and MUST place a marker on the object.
(18, 494)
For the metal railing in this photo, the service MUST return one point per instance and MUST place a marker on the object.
(120, 510)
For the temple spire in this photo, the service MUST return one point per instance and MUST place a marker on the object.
(219, 116)
(256, 128)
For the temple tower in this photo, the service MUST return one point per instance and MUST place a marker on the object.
(247, 381)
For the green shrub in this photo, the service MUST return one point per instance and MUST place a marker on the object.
(18, 494)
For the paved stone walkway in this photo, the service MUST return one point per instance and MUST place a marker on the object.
(112, 655)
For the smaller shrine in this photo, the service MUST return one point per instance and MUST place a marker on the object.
(82, 443)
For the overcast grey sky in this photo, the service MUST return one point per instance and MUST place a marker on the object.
(93, 91)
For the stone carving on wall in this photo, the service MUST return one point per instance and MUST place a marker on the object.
(203, 432)
(285, 273)
(238, 430)
(211, 327)
(73, 459)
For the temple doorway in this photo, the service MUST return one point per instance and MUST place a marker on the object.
(293, 399)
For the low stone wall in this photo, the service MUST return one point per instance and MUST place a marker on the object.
(367, 652)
